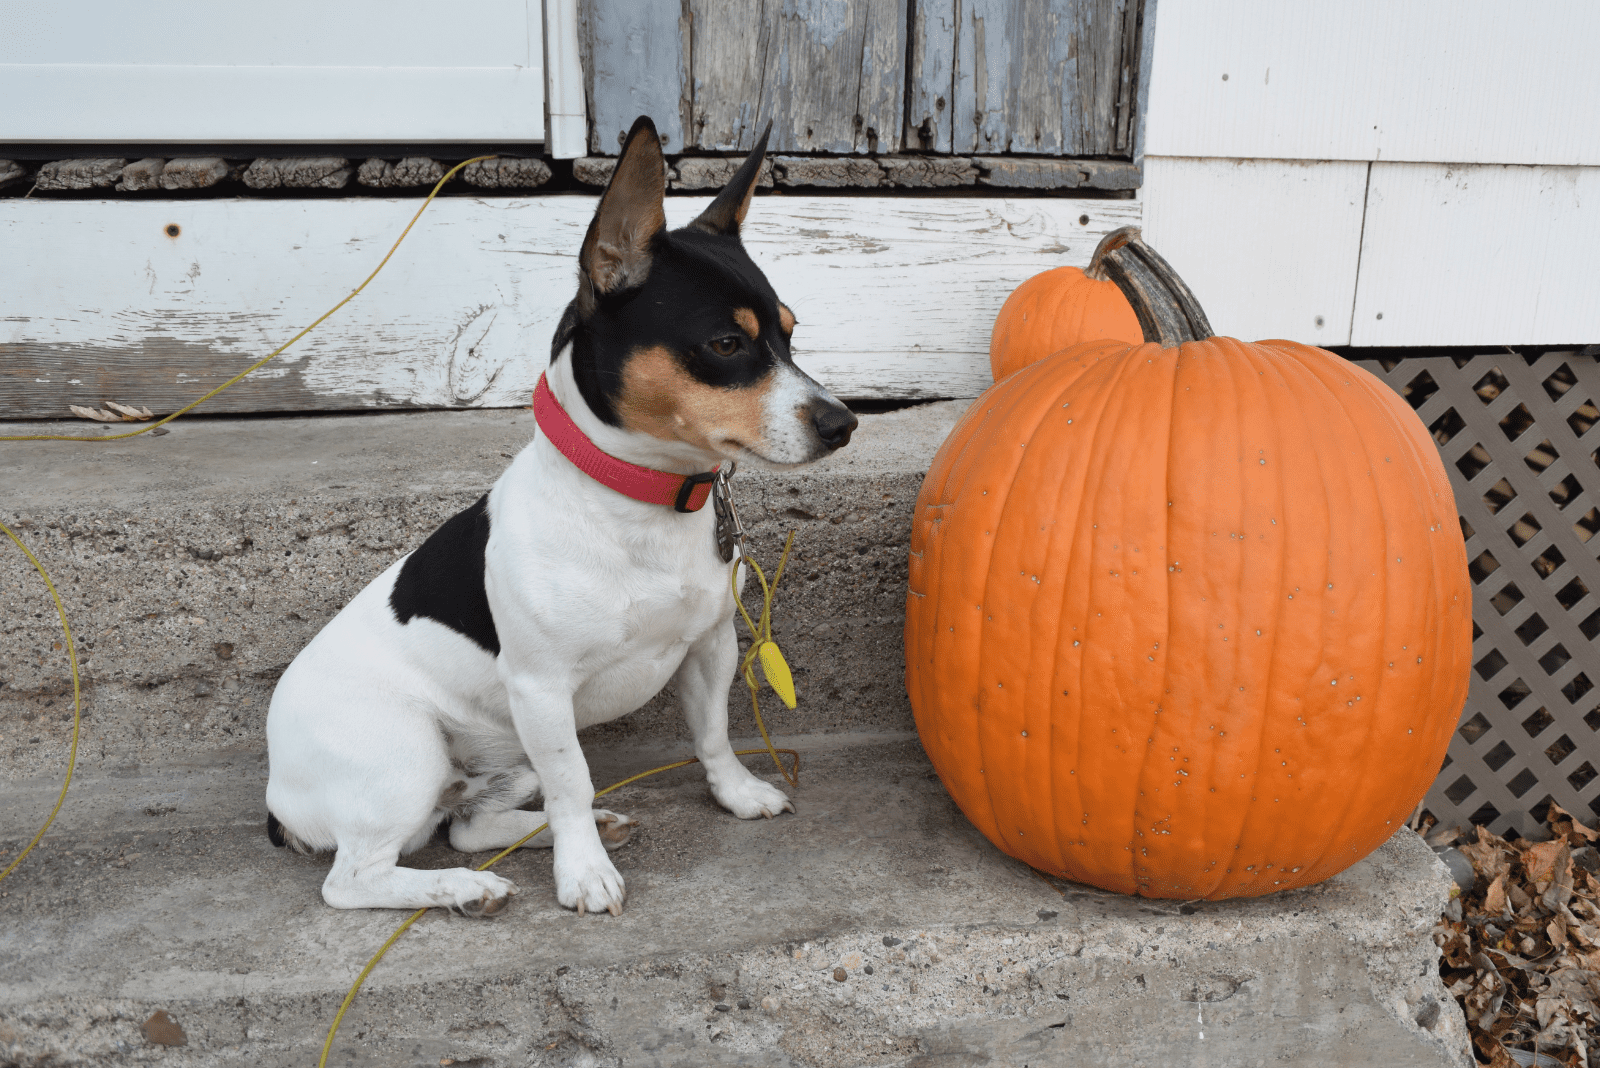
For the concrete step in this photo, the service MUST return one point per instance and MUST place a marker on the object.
(195, 565)
(159, 890)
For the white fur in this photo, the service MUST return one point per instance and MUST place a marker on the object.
(599, 601)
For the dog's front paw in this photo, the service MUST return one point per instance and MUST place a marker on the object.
(748, 797)
(481, 894)
(590, 885)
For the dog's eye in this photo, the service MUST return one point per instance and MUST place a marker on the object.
(725, 346)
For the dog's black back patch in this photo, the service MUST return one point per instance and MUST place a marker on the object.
(443, 579)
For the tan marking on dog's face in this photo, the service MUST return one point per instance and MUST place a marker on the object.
(661, 399)
(747, 322)
(785, 320)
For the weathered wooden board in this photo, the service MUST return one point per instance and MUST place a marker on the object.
(829, 73)
(176, 71)
(895, 297)
(1047, 77)
(1270, 247)
(1473, 255)
(931, 74)
(1474, 81)
(636, 66)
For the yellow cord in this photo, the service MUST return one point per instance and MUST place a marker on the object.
(281, 348)
(77, 709)
(761, 640)
(790, 776)
(762, 634)
(77, 712)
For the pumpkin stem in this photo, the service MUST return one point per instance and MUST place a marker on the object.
(1167, 310)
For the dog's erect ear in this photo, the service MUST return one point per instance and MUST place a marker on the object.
(727, 212)
(616, 250)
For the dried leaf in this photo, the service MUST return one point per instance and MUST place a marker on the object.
(94, 413)
(1556, 930)
(129, 413)
(1490, 854)
(1494, 899)
(1488, 991)
(1559, 892)
(1543, 860)
(1565, 823)
(1491, 1048)
(1442, 836)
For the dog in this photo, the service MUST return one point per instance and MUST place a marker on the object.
(454, 686)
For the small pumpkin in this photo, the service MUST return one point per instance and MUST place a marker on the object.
(1060, 308)
(1188, 618)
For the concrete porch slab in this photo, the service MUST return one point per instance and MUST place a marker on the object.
(196, 564)
(161, 891)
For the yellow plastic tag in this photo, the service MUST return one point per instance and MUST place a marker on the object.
(776, 669)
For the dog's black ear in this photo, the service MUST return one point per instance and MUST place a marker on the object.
(616, 250)
(727, 212)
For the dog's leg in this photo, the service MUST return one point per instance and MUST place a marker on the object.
(497, 830)
(541, 708)
(702, 683)
(369, 879)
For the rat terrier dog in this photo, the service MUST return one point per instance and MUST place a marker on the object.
(454, 686)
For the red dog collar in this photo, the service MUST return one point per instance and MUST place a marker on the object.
(686, 493)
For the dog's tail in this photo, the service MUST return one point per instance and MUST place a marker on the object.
(282, 837)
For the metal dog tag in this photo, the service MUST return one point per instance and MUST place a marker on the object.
(730, 531)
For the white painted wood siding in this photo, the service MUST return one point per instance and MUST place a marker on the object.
(895, 297)
(1448, 81)
(1269, 247)
(1475, 255)
(179, 71)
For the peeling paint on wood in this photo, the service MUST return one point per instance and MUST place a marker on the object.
(1047, 77)
(829, 172)
(506, 173)
(406, 173)
(1005, 173)
(141, 175)
(193, 172)
(320, 172)
(68, 174)
(635, 67)
(895, 297)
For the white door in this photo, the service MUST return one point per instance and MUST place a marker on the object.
(218, 71)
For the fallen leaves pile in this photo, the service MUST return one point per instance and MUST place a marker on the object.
(1521, 948)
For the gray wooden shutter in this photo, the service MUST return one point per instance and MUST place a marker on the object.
(984, 77)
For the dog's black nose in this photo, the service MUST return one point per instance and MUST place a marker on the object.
(834, 422)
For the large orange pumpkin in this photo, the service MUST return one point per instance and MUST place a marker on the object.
(1060, 308)
(1187, 619)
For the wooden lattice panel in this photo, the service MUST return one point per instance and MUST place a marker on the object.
(1519, 439)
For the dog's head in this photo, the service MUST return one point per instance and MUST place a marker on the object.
(678, 335)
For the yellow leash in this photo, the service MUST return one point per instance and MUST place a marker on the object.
(77, 710)
(762, 647)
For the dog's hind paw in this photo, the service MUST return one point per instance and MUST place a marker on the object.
(750, 798)
(615, 828)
